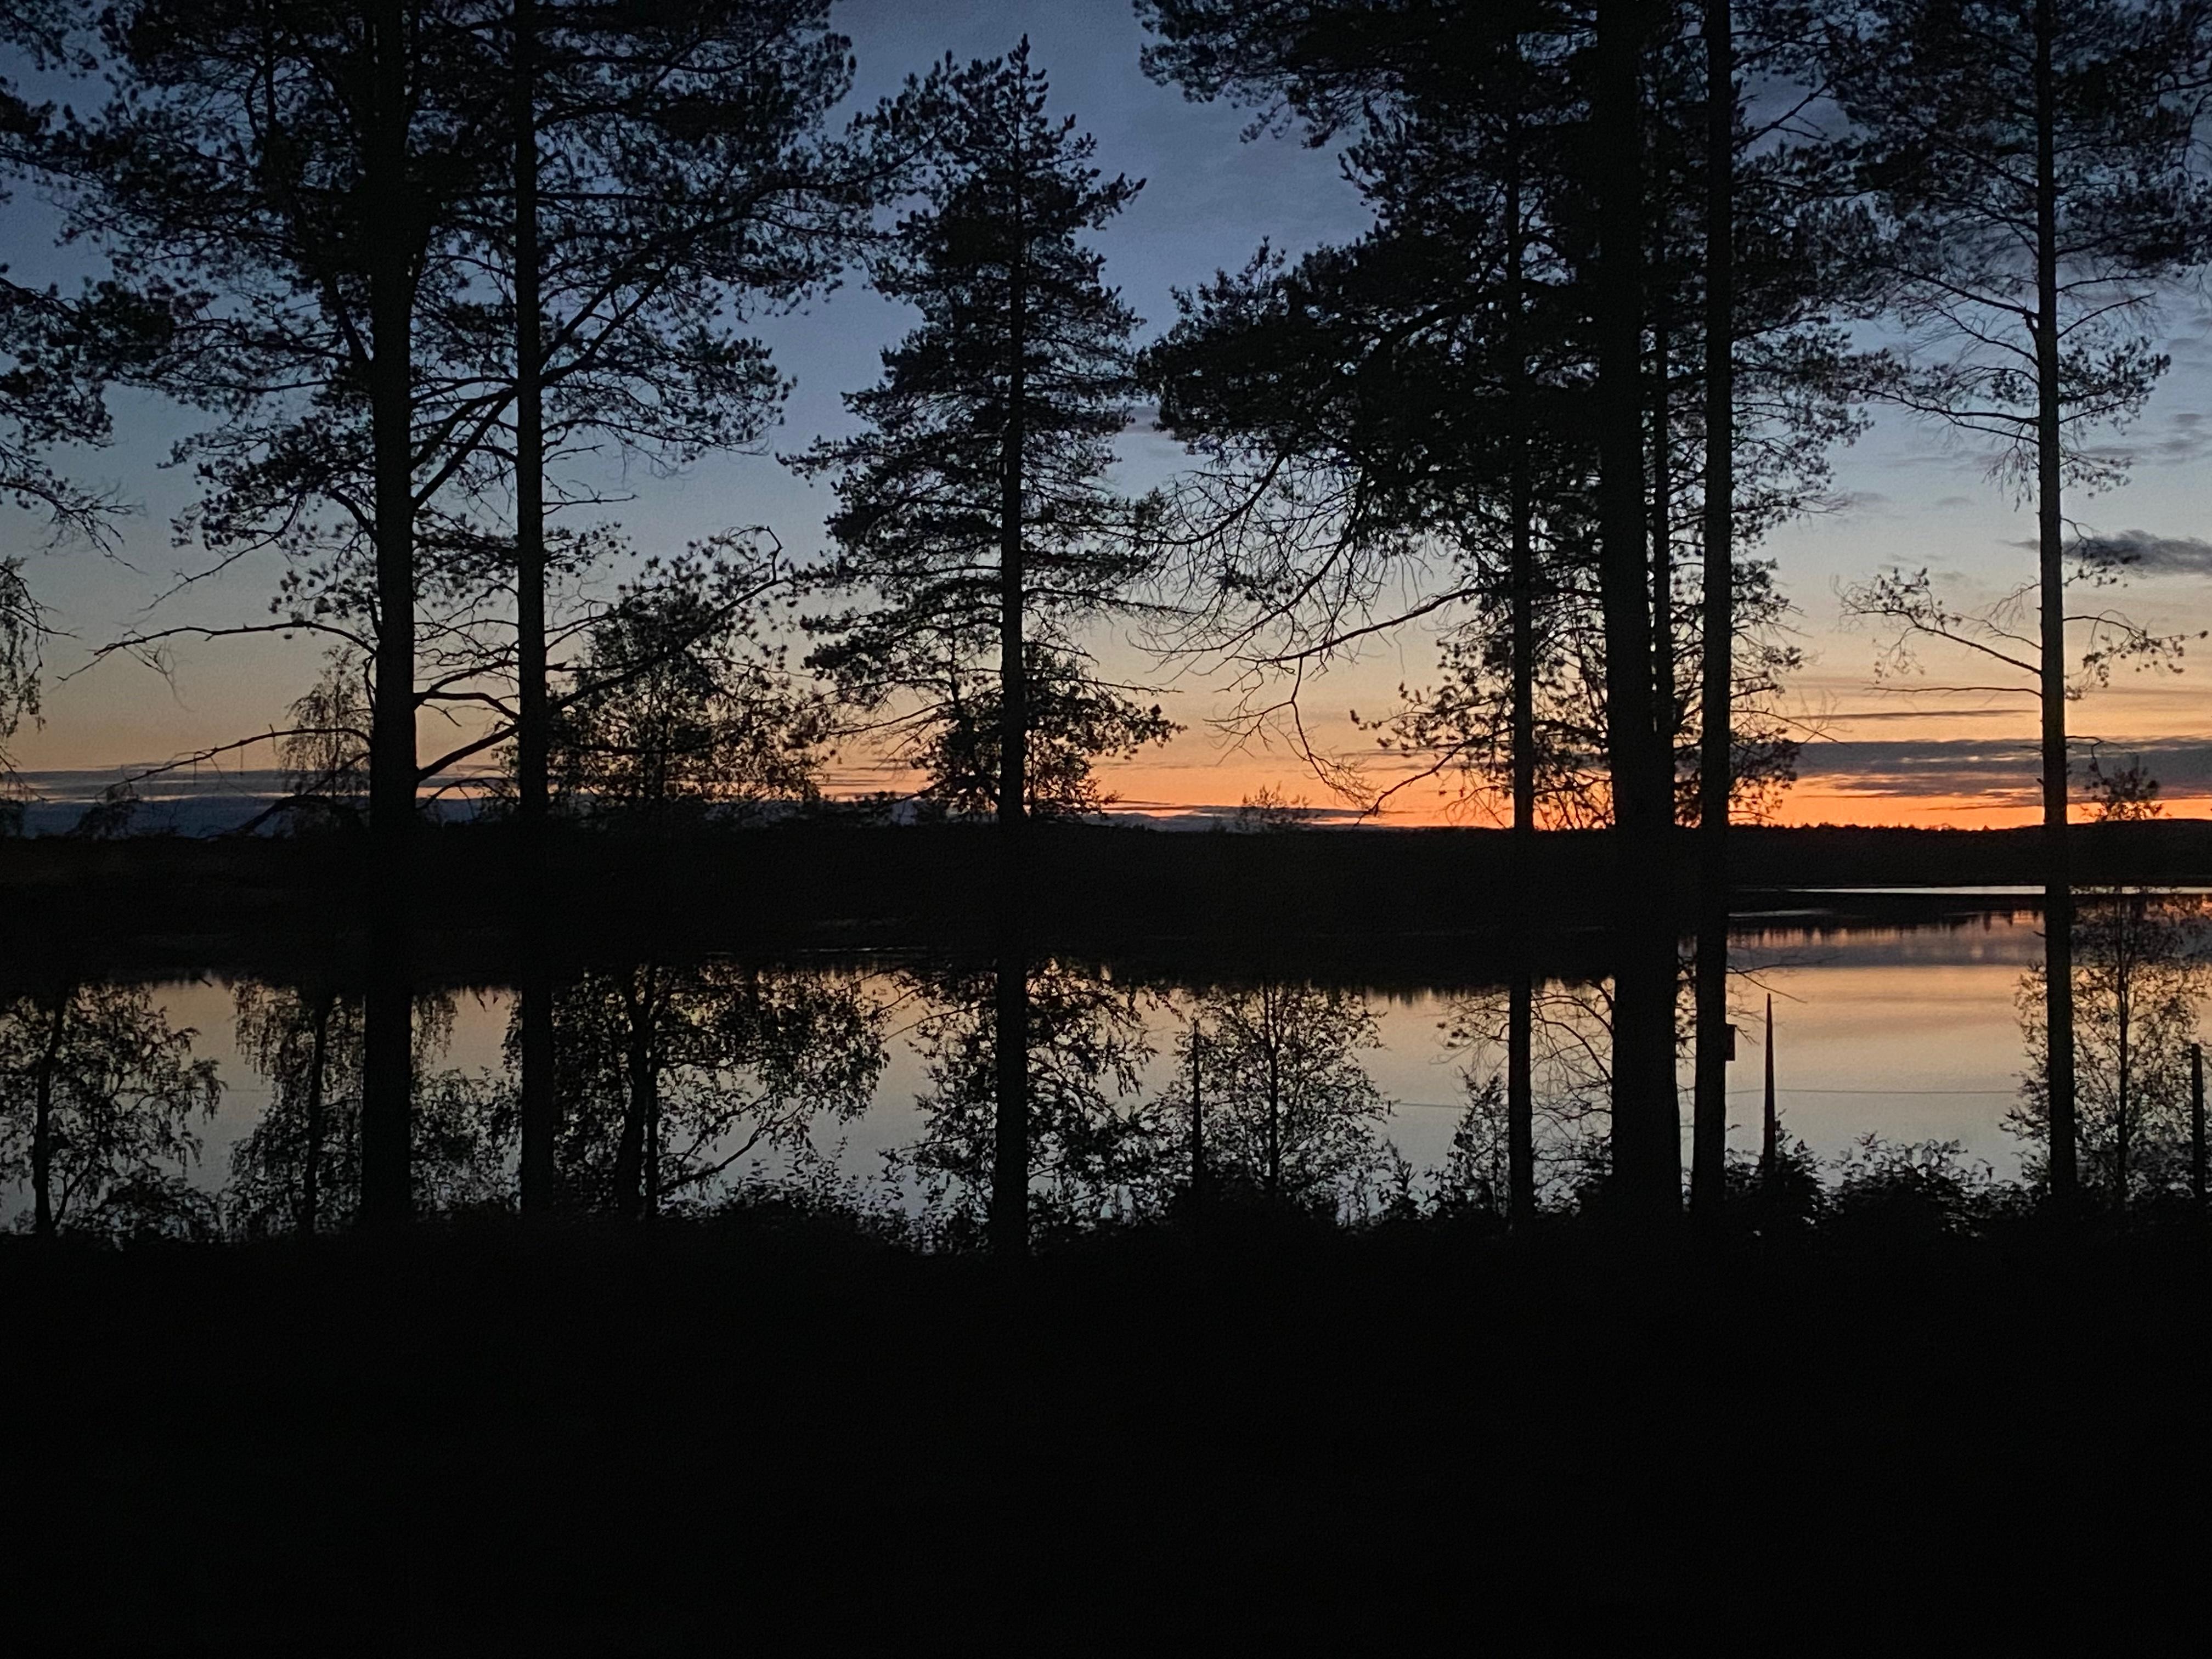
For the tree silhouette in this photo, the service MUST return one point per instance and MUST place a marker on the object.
(681, 707)
(298, 175)
(1716, 669)
(1380, 399)
(2027, 165)
(1404, 391)
(98, 1096)
(1646, 1115)
(669, 182)
(1291, 1113)
(974, 506)
(1075, 721)
(672, 1075)
(1454, 390)
(1094, 1141)
(2140, 971)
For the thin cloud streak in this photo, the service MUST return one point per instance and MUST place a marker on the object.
(2002, 768)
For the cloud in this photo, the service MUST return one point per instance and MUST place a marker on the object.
(2189, 441)
(1846, 716)
(1956, 500)
(2142, 553)
(1857, 500)
(2002, 769)
(1938, 766)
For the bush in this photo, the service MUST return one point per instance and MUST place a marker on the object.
(1897, 1193)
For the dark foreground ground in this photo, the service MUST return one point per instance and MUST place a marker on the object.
(483, 1443)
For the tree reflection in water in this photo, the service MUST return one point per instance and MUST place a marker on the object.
(1570, 1047)
(98, 1096)
(299, 1169)
(670, 1077)
(1287, 1112)
(1094, 1142)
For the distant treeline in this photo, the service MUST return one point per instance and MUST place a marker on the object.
(1386, 904)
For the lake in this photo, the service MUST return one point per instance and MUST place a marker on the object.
(1894, 1014)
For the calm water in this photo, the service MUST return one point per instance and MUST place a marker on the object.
(1908, 1030)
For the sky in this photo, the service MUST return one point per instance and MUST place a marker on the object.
(1907, 494)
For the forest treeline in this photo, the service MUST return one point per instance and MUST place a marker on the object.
(418, 266)
(1412, 907)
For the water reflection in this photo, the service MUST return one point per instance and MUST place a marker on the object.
(669, 1077)
(1095, 1135)
(302, 1161)
(2140, 973)
(298, 1170)
(1570, 1048)
(190, 1106)
(99, 1097)
(1284, 1109)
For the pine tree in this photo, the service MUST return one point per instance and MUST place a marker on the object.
(2027, 166)
(300, 174)
(670, 179)
(974, 507)
(1438, 384)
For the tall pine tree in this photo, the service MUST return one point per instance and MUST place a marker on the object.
(671, 179)
(2027, 165)
(974, 509)
(307, 168)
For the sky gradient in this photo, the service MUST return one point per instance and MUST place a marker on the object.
(1908, 495)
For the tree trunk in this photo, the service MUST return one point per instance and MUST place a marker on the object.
(1010, 1171)
(1646, 1115)
(388, 1008)
(1717, 667)
(311, 1172)
(2058, 877)
(42, 1120)
(532, 724)
(1519, 1013)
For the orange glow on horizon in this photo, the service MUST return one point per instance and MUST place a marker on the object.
(1825, 799)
